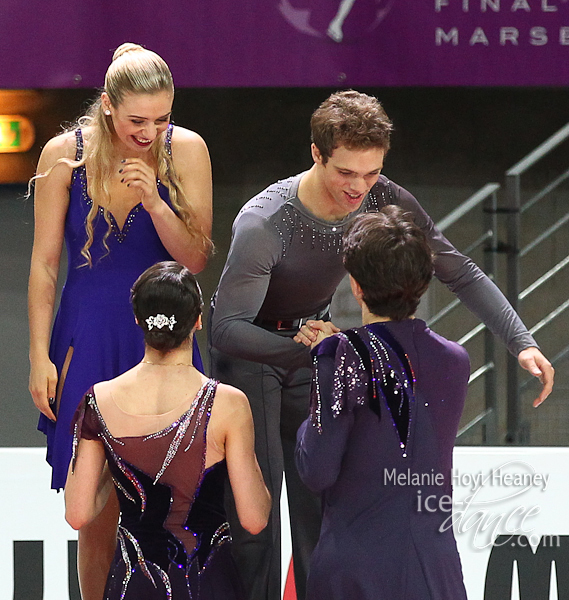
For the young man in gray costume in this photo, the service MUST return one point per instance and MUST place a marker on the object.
(284, 264)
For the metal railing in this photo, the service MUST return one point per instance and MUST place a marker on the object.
(514, 210)
(488, 198)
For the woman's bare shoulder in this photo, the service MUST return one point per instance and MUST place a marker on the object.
(102, 391)
(231, 401)
(123, 382)
(59, 147)
(186, 137)
(231, 394)
(188, 145)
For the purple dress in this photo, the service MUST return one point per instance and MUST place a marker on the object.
(95, 317)
(379, 449)
(173, 540)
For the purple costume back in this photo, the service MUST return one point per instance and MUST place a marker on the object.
(173, 539)
(94, 316)
(378, 540)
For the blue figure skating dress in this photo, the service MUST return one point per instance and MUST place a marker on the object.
(95, 318)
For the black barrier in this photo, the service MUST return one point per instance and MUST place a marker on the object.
(534, 568)
(29, 572)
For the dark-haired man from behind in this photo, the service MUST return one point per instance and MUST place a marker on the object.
(385, 408)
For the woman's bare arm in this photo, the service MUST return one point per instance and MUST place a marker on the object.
(231, 433)
(88, 485)
(51, 200)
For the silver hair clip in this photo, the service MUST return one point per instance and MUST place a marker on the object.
(160, 321)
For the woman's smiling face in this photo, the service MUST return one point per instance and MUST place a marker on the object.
(140, 118)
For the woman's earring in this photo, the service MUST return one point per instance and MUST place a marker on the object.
(108, 112)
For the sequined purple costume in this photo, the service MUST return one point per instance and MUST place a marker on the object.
(94, 316)
(173, 540)
(285, 263)
(376, 466)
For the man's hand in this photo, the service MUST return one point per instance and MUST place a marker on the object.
(313, 332)
(532, 360)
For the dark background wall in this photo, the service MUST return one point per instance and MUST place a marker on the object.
(457, 135)
(448, 142)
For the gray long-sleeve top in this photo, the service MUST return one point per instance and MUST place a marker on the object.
(285, 263)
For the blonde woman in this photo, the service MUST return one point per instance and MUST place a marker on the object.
(124, 189)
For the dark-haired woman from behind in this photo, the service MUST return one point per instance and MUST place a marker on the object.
(165, 436)
(386, 403)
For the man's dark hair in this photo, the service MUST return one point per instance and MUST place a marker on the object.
(168, 289)
(351, 119)
(389, 257)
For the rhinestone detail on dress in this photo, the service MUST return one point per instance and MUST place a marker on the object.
(81, 173)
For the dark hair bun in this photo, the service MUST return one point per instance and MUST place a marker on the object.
(167, 302)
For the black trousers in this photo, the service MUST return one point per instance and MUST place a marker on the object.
(279, 401)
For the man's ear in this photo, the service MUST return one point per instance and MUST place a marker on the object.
(356, 290)
(316, 154)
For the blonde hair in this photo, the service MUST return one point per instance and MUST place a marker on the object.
(133, 70)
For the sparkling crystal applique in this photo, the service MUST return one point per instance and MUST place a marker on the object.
(160, 321)
(395, 387)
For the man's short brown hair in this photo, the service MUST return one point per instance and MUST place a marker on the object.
(351, 119)
(388, 255)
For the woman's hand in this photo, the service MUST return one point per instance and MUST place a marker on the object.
(313, 332)
(192, 168)
(43, 386)
(138, 174)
